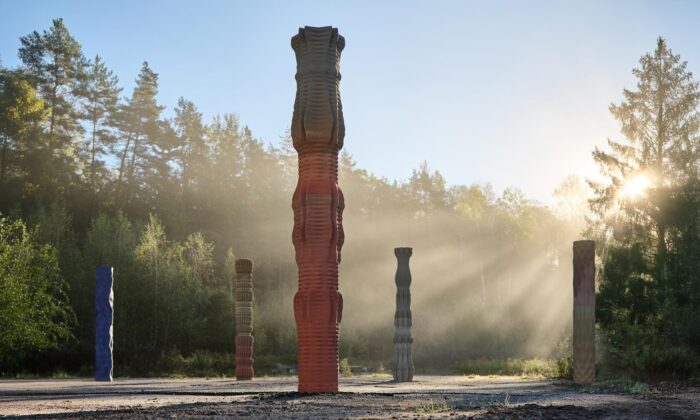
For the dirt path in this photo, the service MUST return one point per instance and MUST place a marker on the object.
(360, 397)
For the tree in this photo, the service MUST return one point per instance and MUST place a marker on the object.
(198, 255)
(35, 313)
(139, 123)
(660, 123)
(194, 151)
(55, 63)
(648, 174)
(21, 114)
(224, 139)
(100, 91)
(428, 188)
(194, 156)
(571, 200)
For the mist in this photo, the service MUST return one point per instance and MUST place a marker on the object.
(491, 273)
(104, 177)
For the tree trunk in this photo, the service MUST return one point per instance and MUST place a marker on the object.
(93, 206)
(3, 162)
(130, 175)
(661, 181)
(121, 170)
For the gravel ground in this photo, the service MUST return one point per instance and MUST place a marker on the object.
(360, 397)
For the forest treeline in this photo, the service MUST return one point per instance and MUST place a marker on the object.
(91, 175)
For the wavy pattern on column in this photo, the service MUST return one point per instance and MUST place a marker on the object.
(104, 318)
(403, 342)
(584, 312)
(244, 319)
(317, 132)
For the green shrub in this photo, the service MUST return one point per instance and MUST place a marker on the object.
(635, 351)
(34, 311)
(565, 360)
(345, 370)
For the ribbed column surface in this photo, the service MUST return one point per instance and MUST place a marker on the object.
(317, 133)
(244, 319)
(584, 312)
(403, 342)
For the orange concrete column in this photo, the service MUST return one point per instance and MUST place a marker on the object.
(584, 312)
(244, 319)
(317, 133)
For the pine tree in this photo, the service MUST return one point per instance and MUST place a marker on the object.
(428, 188)
(194, 152)
(660, 123)
(100, 91)
(55, 63)
(224, 138)
(140, 126)
(647, 174)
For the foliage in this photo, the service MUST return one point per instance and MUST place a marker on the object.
(649, 293)
(345, 370)
(34, 311)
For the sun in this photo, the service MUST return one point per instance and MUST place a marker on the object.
(636, 186)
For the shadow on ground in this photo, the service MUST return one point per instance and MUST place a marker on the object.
(362, 397)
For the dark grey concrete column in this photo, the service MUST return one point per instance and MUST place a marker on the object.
(403, 353)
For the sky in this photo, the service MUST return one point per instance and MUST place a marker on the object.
(513, 93)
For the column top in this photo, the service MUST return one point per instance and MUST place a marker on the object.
(584, 244)
(105, 269)
(315, 31)
(244, 265)
(403, 251)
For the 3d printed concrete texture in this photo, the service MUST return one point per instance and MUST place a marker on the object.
(317, 133)
(584, 312)
(403, 353)
(244, 319)
(104, 317)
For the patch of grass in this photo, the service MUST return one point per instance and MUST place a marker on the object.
(26, 375)
(198, 364)
(513, 367)
(432, 408)
(493, 401)
(627, 386)
(59, 374)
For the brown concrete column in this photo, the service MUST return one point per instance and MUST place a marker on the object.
(584, 312)
(244, 319)
(317, 133)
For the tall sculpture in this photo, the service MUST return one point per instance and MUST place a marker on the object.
(317, 132)
(244, 319)
(584, 312)
(403, 353)
(104, 317)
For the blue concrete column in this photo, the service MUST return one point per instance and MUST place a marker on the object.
(104, 317)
